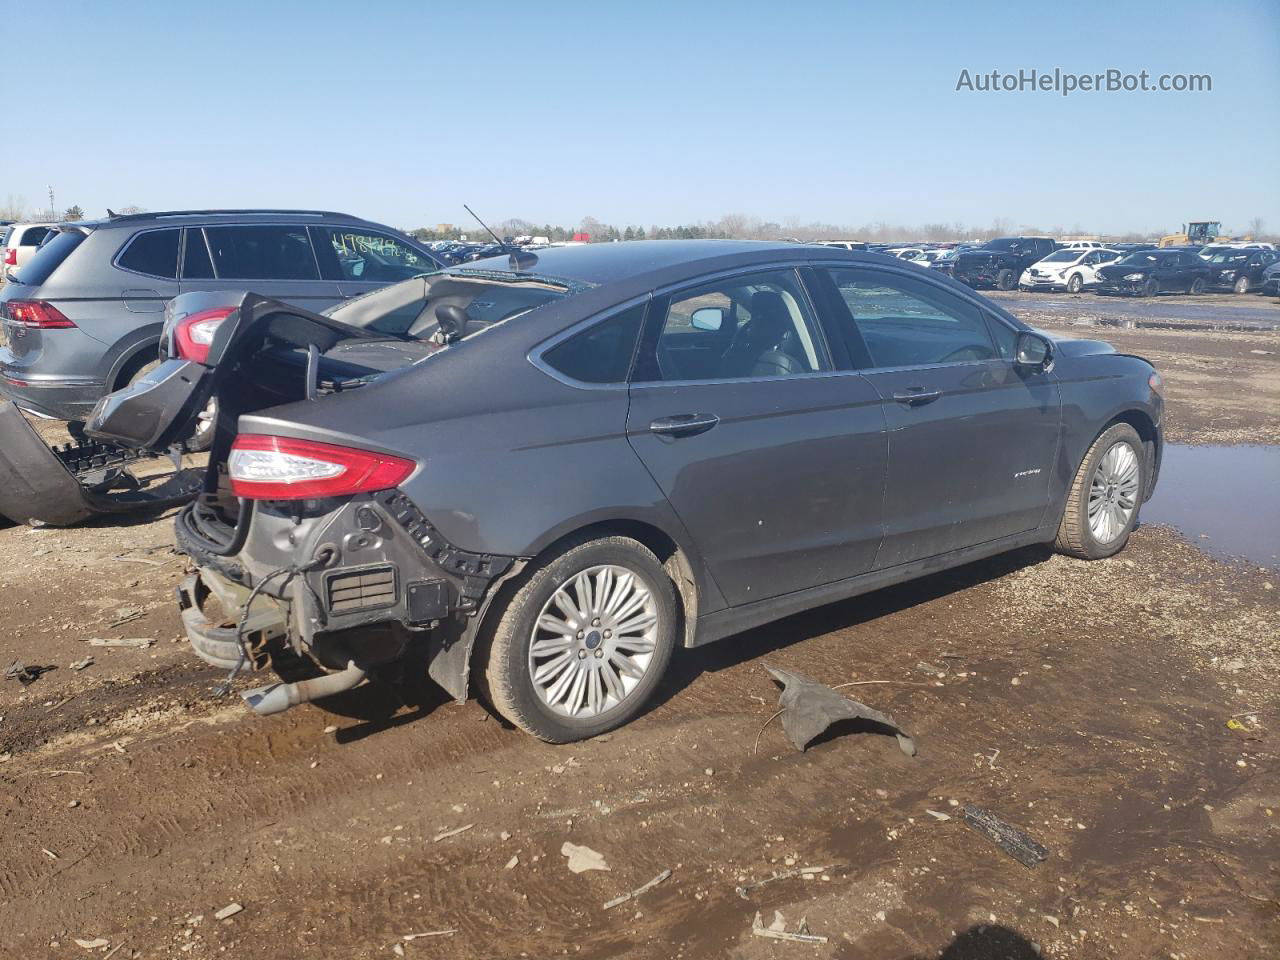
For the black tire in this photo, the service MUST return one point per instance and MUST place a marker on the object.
(1197, 287)
(1151, 288)
(1241, 285)
(1005, 280)
(1075, 283)
(1075, 536)
(506, 679)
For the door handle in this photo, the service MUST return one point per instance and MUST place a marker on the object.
(684, 424)
(917, 396)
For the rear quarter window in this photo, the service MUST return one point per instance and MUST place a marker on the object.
(153, 252)
(33, 236)
(602, 353)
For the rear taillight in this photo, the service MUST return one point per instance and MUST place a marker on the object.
(37, 314)
(11, 257)
(282, 468)
(194, 333)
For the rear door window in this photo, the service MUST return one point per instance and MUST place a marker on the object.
(367, 256)
(904, 322)
(196, 264)
(267, 252)
(153, 252)
(33, 236)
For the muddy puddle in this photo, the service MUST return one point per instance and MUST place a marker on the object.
(1225, 499)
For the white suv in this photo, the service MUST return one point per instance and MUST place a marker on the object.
(19, 243)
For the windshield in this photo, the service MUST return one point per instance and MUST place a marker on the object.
(1140, 259)
(408, 308)
(1063, 256)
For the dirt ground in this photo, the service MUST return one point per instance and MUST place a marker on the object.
(1123, 713)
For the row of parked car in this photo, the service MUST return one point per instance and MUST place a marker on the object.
(1137, 269)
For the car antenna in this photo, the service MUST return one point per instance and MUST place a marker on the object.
(483, 224)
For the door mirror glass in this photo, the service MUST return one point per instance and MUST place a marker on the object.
(1034, 351)
(707, 318)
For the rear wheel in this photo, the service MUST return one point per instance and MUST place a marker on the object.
(1197, 286)
(1241, 285)
(1005, 280)
(1075, 283)
(1102, 504)
(580, 646)
(1151, 288)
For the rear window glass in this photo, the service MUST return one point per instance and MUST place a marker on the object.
(262, 253)
(32, 236)
(49, 257)
(153, 252)
(602, 353)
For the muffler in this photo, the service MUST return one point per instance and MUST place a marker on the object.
(279, 697)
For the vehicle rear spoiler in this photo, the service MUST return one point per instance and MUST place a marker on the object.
(67, 485)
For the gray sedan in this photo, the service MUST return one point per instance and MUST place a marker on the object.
(549, 472)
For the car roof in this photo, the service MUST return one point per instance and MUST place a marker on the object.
(182, 217)
(601, 263)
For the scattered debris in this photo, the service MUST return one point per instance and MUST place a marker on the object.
(23, 674)
(78, 665)
(398, 950)
(140, 643)
(513, 862)
(778, 930)
(408, 937)
(936, 815)
(127, 618)
(582, 858)
(148, 562)
(746, 888)
(616, 901)
(96, 944)
(808, 708)
(451, 833)
(6, 757)
(930, 669)
(49, 853)
(230, 910)
(1006, 836)
(991, 760)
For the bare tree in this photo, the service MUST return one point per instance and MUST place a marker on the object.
(1256, 227)
(13, 208)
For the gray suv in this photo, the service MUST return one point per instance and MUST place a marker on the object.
(83, 316)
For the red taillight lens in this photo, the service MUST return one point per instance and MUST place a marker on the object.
(194, 332)
(11, 257)
(37, 314)
(282, 468)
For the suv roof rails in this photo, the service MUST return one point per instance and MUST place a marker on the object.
(266, 211)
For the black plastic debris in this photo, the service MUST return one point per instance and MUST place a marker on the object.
(24, 674)
(1006, 836)
(809, 708)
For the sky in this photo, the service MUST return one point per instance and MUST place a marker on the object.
(644, 112)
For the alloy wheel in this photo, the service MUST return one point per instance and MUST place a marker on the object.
(593, 641)
(1113, 493)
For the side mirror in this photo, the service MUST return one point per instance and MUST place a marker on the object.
(707, 318)
(1034, 350)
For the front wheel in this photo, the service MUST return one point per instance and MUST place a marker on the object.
(1075, 284)
(580, 646)
(1151, 288)
(1102, 504)
(1005, 280)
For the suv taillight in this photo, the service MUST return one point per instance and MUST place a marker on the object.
(11, 257)
(263, 467)
(37, 314)
(194, 333)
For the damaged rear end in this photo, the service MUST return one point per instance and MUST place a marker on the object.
(308, 553)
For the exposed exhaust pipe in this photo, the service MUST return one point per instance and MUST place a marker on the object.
(279, 697)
